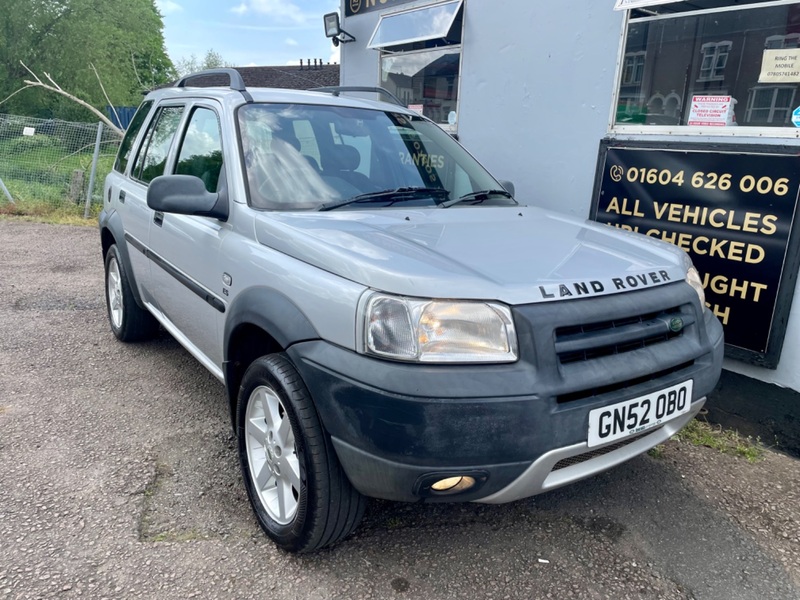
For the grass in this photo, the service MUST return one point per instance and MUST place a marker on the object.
(44, 212)
(394, 523)
(37, 172)
(700, 433)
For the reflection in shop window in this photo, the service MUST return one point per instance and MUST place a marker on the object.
(777, 42)
(770, 105)
(428, 79)
(715, 59)
(678, 52)
(633, 68)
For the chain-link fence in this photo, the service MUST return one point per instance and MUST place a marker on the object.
(50, 162)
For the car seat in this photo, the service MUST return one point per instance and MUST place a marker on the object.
(342, 162)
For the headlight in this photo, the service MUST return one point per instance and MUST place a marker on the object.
(438, 331)
(693, 279)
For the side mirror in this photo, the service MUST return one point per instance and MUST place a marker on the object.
(508, 186)
(186, 195)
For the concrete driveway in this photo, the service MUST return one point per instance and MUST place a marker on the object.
(119, 479)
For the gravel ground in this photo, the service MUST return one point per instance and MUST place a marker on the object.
(118, 479)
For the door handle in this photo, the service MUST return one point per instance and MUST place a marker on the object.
(122, 196)
(158, 218)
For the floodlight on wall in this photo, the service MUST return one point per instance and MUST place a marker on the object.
(334, 31)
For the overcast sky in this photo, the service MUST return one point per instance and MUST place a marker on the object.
(248, 32)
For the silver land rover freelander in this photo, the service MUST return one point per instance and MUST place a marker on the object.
(388, 320)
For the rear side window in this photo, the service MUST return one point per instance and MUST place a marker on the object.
(124, 154)
(152, 158)
(201, 150)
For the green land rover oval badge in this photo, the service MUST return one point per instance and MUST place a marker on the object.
(675, 324)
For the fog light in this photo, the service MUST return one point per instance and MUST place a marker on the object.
(447, 486)
(451, 485)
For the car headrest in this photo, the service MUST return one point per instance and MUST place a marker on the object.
(344, 158)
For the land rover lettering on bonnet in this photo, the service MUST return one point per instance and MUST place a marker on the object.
(387, 319)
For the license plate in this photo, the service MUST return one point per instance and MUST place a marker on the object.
(634, 416)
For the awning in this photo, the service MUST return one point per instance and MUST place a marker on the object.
(417, 25)
(629, 4)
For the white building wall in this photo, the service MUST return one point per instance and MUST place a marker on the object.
(535, 99)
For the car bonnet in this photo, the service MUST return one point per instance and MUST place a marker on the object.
(516, 255)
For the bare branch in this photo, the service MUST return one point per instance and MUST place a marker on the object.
(105, 95)
(15, 93)
(57, 89)
(50, 79)
(31, 72)
(136, 72)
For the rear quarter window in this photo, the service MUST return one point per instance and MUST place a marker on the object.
(126, 147)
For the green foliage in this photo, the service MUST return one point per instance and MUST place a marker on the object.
(123, 40)
(726, 441)
(29, 143)
(212, 60)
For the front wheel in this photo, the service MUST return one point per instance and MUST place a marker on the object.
(296, 486)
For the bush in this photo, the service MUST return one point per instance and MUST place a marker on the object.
(31, 143)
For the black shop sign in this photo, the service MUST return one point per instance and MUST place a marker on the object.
(359, 7)
(733, 210)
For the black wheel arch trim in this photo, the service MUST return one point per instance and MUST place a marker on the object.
(272, 311)
(112, 222)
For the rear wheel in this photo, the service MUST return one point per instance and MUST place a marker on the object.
(129, 321)
(296, 486)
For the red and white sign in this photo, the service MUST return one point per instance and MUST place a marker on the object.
(712, 111)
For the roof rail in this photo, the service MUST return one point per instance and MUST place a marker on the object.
(336, 90)
(235, 78)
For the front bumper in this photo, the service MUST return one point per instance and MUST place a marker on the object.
(396, 425)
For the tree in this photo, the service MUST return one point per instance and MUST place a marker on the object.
(212, 60)
(69, 40)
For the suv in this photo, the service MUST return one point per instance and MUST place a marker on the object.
(387, 319)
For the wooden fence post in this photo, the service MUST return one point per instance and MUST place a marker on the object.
(76, 185)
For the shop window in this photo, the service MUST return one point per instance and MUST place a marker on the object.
(709, 63)
(427, 80)
(421, 58)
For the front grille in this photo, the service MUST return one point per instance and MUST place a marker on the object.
(577, 343)
(581, 458)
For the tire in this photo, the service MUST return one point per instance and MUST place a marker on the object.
(129, 321)
(301, 496)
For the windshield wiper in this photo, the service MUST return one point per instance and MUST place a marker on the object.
(479, 196)
(400, 194)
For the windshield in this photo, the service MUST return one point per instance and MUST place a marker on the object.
(306, 157)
